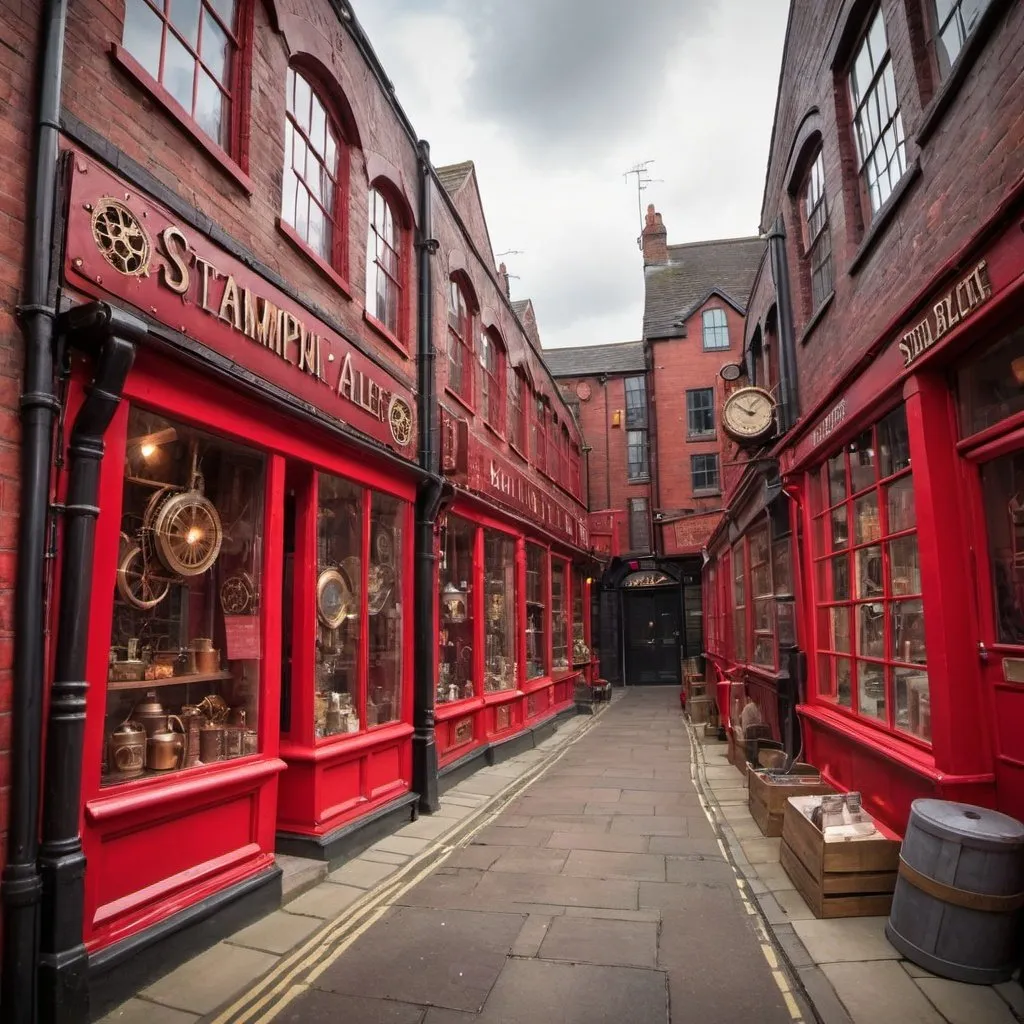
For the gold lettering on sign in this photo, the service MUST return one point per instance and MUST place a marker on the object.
(175, 271)
(261, 320)
(229, 308)
(209, 272)
(952, 308)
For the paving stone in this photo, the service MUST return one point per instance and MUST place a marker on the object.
(501, 835)
(745, 830)
(562, 890)
(402, 844)
(687, 870)
(605, 864)
(441, 1015)
(966, 1004)
(600, 941)
(793, 905)
(630, 773)
(437, 957)
(361, 873)
(385, 857)
(481, 857)
(684, 846)
(573, 822)
(530, 860)
(846, 939)
(201, 984)
(794, 950)
(639, 782)
(732, 795)
(278, 932)
(761, 851)
(583, 794)
(532, 935)
(314, 1006)
(484, 784)
(618, 808)
(880, 990)
(828, 1006)
(679, 895)
(537, 806)
(299, 874)
(529, 991)
(442, 889)
(773, 876)
(598, 841)
(428, 827)
(326, 901)
(453, 812)
(142, 1011)
(1013, 993)
(651, 825)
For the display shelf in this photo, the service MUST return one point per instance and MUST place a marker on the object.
(149, 684)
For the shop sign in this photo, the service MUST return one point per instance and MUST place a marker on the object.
(123, 245)
(955, 306)
(694, 531)
(832, 420)
(647, 579)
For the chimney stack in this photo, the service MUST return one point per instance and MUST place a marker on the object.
(503, 275)
(655, 239)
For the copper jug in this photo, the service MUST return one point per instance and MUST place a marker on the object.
(193, 719)
(150, 712)
(127, 749)
(211, 743)
(165, 749)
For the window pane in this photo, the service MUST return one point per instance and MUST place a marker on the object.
(836, 479)
(499, 611)
(841, 578)
(339, 588)
(894, 442)
(871, 690)
(455, 640)
(869, 571)
(991, 388)
(913, 703)
(536, 614)
(210, 108)
(908, 631)
(384, 600)
(904, 566)
(143, 33)
(216, 51)
(782, 567)
(862, 462)
(840, 529)
(900, 505)
(866, 527)
(1002, 484)
(179, 71)
(870, 630)
(184, 15)
(839, 629)
(559, 617)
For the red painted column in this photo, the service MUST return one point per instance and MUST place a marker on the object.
(520, 611)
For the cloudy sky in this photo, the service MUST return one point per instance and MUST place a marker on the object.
(555, 99)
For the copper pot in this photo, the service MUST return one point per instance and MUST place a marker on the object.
(151, 714)
(165, 749)
(193, 719)
(127, 749)
(207, 662)
(211, 743)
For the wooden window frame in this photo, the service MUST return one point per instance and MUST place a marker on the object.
(460, 342)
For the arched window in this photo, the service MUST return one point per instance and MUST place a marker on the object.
(191, 49)
(716, 330)
(311, 200)
(384, 265)
(460, 342)
(817, 236)
(492, 365)
(516, 410)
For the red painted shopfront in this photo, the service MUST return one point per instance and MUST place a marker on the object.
(514, 607)
(251, 634)
(907, 493)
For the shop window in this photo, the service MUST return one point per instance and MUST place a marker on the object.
(639, 525)
(500, 611)
(871, 643)
(817, 236)
(384, 264)
(580, 650)
(185, 658)
(877, 121)
(492, 366)
(559, 616)
(455, 638)
(1002, 485)
(991, 387)
(700, 413)
(955, 20)
(536, 611)
(636, 403)
(551, 431)
(311, 199)
(191, 49)
(762, 597)
(460, 342)
(716, 330)
(385, 608)
(739, 603)
(704, 473)
(636, 456)
(516, 410)
(539, 445)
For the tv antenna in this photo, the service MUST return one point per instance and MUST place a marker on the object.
(643, 178)
(510, 252)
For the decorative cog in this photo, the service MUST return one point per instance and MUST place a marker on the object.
(238, 594)
(121, 238)
(400, 420)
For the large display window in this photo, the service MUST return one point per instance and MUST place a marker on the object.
(581, 654)
(871, 656)
(457, 592)
(500, 595)
(536, 611)
(559, 616)
(184, 665)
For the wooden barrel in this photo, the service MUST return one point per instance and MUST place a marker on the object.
(959, 893)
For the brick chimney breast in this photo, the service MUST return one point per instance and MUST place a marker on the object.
(655, 238)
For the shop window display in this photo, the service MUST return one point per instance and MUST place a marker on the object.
(1002, 484)
(455, 638)
(185, 659)
(580, 650)
(536, 611)
(739, 603)
(762, 597)
(383, 600)
(500, 668)
(871, 644)
(559, 616)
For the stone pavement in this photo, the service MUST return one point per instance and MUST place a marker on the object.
(582, 882)
(846, 967)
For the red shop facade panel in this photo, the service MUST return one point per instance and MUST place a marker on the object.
(908, 484)
(250, 643)
(513, 606)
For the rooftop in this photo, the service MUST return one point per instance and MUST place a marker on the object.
(591, 360)
(454, 176)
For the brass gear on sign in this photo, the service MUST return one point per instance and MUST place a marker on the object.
(400, 420)
(121, 238)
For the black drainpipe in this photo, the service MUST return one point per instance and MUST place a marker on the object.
(20, 888)
(63, 961)
(789, 408)
(428, 504)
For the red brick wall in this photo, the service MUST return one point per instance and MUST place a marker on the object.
(967, 166)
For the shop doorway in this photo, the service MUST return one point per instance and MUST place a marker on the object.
(652, 621)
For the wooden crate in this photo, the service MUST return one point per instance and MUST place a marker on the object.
(699, 709)
(737, 752)
(838, 877)
(767, 797)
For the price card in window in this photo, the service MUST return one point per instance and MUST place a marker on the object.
(242, 636)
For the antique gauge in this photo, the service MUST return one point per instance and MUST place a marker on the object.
(749, 414)
(333, 598)
(186, 530)
(238, 594)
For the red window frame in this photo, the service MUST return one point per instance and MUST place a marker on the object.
(539, 446)
(575, 476)
(330, 168)
(516, 410)
(385, 258)
(554, 446)
(492, 373)
(817, 232)
(460, 342)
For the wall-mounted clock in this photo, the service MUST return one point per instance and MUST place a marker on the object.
(749, 414)
(583, 391)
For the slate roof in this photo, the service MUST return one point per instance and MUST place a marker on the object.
(454, 176)
(591, 360)
(695, 270)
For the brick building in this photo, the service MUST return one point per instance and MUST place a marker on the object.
(866, 588)
(297, 492)
(657, 459)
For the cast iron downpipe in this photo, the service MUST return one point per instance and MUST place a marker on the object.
(789, 408)
(20, 888)
(428, 503)
(63, 961)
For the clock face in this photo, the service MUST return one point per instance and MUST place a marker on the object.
(749, 413)
(583, 391)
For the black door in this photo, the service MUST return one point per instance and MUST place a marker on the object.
(653, 625)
